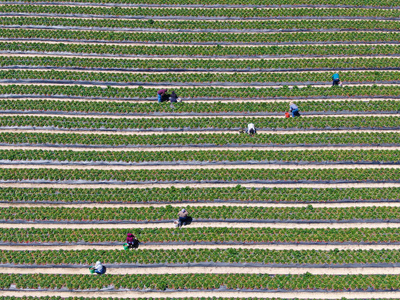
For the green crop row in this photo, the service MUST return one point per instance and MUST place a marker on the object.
(216, 51)
(373, 3)
(195, 78)
(203, 234)
(354, 122)
(204, 282)
(196, 107)
(208, 25)
(230, 38)
(202, 175)
(154, 214)
(192, 195)
(200, 12)
(261, 256)
(208, 92)
(358, 156)
(189, 64)
(302, 139)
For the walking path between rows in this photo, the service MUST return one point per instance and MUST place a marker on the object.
(214, 293)
(199, 185)
(196, 148)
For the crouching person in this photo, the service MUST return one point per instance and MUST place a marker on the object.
(183, 217)
(99, 268)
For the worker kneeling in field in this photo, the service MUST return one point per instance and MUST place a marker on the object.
(294, 109)
(99, 268)
(336, 80)
(183, 217)
(132, 241)
(251, 129)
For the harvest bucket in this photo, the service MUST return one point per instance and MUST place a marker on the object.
(126, 246)
(91, 270)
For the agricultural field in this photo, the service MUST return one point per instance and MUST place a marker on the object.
(308, 208)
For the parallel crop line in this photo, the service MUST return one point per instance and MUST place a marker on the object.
(166, 246)
(232, 166)
(205, 204)
(213, 224)
(209, 270)
(175, 131)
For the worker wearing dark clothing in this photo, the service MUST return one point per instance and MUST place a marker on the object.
(161, 94)
(132, 241)
(335, 79)
(173, 97)
(183, 217)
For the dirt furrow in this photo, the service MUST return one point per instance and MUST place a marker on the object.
(200, 185)
(209, 270)
(213, 293)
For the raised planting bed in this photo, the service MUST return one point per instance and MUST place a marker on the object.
(201, 157)
(204, 38)
(278, 176)
(148, 282)
(172, 195)
(199, 140)
(198, 51)
(204, 257)
(201, 235)
(131, 215)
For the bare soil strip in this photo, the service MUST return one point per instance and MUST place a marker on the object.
(206, 204)
(201, 185)
(326, 247)
(215, 293)
(200, 148)
(209, 270)
(197, 167)
(169, 224)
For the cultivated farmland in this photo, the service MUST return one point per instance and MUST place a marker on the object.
(308, 208)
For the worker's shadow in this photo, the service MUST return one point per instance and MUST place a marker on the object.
(189, 220)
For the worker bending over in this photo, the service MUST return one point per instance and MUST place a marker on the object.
(183, 217)
(336, 80)
(294, 109)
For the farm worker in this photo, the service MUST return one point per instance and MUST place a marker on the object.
(336, 80)
(161, 94)
(132, 241)
(99, 268)
(294, 109)
(173, 97)
(183, 217)
(251, 129)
